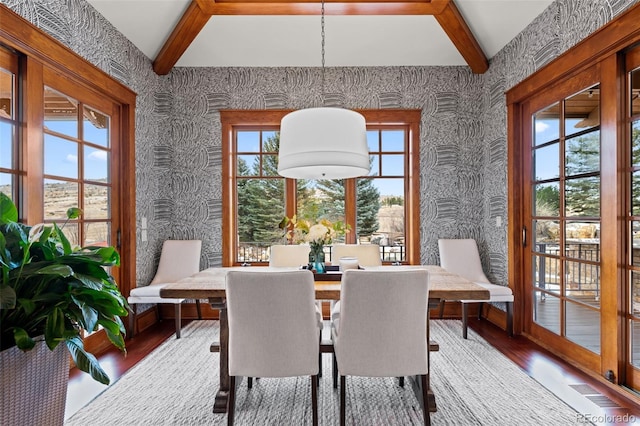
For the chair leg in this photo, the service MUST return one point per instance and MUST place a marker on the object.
(178, 319)
(343, 401)
(465, 317)
(335, 372)
(231, 403)
(425, 400)
(320, 356)
(441, 309)
(401, 381)
(198, 309)
(133, 320)
(250, 382)
(480, 310)
(510, 318)
(314, 398)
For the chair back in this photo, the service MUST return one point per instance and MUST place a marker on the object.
(460, 256)
(289, 255)
(382, 330)
(273, 330)
(367, 254)
(178, 259)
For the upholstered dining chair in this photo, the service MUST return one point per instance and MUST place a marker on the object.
(178, 259)
(460, 256)
(281, 255)
(382, 328)
(273, 330)
(367, 254)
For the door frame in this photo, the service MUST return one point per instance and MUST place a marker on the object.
(38, 50)
(604, 47)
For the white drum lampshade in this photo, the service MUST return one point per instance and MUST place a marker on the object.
(323, 143)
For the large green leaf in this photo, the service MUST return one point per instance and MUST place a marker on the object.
(89, 281)
(56, 269)
(66, 245)
(54, 328)
(8, 211)
(114, 332)
(7, 297)
(85, 361)
(23, 341)
(89, 314)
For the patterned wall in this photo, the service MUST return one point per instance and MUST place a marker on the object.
(463, 127)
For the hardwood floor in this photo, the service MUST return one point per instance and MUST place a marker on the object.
(591, 399)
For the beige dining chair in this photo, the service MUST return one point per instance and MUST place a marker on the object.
(367, 254)
(382, 328)
(178, 259)
(273, 330)
(281, 255)
(461, 256)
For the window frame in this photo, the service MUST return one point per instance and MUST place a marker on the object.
(39, 55)
(245, 119)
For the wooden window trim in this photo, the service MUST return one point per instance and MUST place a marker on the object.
(40, 50)
(232, 118)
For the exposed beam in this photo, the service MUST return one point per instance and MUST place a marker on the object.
(332, 7)
(458, 31)
(199, 11)
(190, 25)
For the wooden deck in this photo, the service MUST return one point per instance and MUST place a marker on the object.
(582, 323)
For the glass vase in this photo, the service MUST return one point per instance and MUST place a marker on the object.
(318, 262)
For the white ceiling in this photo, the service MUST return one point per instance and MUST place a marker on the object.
(270, 41)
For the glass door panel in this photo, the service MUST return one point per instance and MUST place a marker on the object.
(632, 306)
(9, 125)
(565, 219)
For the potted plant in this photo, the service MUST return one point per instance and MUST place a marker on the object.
(50, 292)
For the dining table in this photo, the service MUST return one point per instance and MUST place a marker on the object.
(210, 284)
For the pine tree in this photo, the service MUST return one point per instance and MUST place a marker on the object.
(582, 193)
(261, 200)
(368, 204)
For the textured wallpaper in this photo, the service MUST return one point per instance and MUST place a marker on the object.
(463, 128)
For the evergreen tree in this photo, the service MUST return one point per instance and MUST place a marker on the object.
(261, 200)
(582, 193)
(368, 205)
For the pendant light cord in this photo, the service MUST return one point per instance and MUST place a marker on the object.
(322, 43)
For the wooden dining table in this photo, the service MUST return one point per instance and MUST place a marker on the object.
(210, 284)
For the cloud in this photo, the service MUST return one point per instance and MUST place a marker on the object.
(98, 155)
(71, 158)
(541, 126)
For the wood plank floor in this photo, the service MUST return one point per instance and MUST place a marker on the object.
(585, 394)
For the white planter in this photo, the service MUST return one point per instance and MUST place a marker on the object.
(33, 385)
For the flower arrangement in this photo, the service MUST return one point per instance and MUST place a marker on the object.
(298, 231)
(317, 235)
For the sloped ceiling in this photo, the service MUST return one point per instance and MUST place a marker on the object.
(358, 33)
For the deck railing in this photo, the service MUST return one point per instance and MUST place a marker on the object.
(256, 252)
(580, 278)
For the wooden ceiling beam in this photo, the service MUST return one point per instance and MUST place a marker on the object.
(192, 22)
(199, 11)
(313, 7)
(458, 31)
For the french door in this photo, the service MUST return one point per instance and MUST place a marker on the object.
(79, 167)
(563, 194)
(632, 275)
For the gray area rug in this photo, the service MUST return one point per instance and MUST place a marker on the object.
(474, 384)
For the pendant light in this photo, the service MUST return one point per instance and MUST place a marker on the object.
(322, 142)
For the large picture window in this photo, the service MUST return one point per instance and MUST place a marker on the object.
(379, 208)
